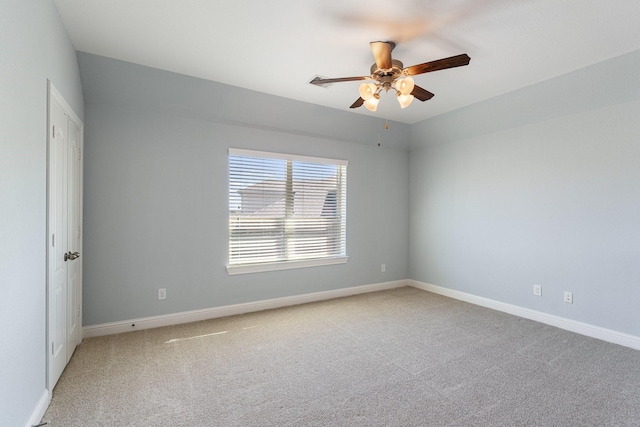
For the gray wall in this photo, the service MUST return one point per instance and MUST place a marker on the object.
(156, 185)
(542, 186)
(33, 48)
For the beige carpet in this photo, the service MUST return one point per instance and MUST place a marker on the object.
(402, 357)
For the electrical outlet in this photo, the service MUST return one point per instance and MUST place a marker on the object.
(568, 297)
(162, 293)
(537, 290)
(383, 267)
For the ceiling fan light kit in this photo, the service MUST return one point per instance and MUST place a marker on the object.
(405, 100)
(367, 90)
(390, 74)
(372, 103)
(405, 85)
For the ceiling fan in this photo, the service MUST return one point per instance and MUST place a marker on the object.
(388, 73)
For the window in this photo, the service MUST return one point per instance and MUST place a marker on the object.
(285, 211)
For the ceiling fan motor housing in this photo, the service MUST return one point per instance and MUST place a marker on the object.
(395, 70)
(386, 77)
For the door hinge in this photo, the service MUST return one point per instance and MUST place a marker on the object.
(53, 131)
(53, 240)
(79, 232)
(52, 348)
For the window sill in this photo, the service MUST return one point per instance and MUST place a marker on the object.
(288, 265)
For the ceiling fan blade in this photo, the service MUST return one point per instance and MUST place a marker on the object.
(320, 81)
(382, 54)
(440, 64)
(358, 103)
(421, 94)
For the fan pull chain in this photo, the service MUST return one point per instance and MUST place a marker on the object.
(386, 110)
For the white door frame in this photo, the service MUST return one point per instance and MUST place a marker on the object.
(53, 96)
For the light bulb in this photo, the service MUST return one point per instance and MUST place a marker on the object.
(405, 85)
(404, 100)
(367, 90)
(372, 103)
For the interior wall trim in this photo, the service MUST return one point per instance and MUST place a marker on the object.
(40, 409)
(231, 310)
(586, 329)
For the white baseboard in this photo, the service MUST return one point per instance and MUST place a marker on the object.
(230, 310)
(592, 331)
(40, 409)
(586, 329)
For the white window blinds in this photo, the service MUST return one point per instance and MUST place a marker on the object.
(285, 208)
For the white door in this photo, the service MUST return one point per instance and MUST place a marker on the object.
(64, 242)
(74, 239)
(58, 237)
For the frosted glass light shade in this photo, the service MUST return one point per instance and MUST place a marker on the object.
(367, 90)
(405, 100)
(405, 85)
(372, 103)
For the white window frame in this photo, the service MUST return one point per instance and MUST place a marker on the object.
(286, 265)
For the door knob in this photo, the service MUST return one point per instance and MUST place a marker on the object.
(71, 256)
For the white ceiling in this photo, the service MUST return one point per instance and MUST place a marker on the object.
(277, 46)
